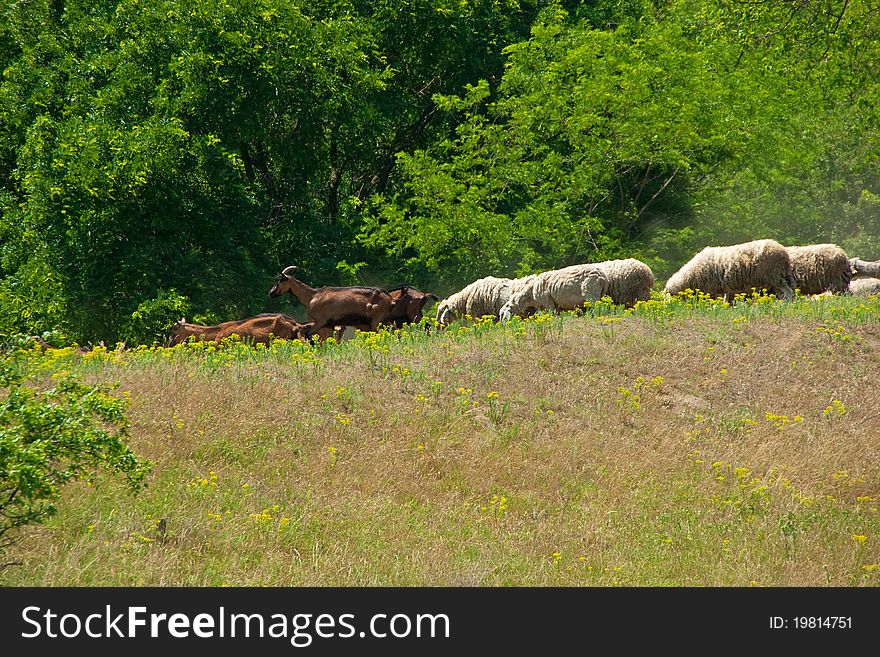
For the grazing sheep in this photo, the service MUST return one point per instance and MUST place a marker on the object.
(864, 268)
(485, 296)
(863, 287)
(819, 268)
(624, 281)
(629, 281)
(559, 289)
(723, 271)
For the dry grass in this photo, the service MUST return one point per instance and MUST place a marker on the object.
(704, 451)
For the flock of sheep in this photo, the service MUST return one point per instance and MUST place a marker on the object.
(625, 281)
(720, 271)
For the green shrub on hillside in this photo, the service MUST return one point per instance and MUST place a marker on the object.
(152, 319)
(51, 437)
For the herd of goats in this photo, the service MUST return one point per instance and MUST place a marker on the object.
(719, 271)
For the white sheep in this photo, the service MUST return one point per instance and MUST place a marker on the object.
(864, 268)
(485, 296)
(865, 286)
(723, 271)
(624, 281)
(629, 281)
(819, 268)
(558, 289)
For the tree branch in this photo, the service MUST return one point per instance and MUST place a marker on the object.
(658, 192)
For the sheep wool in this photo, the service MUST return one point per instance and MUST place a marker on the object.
(819, 268)
(628, 281)
(485, 296)
(723, 271)
(558, 289)
(625, 281)
(863, 287)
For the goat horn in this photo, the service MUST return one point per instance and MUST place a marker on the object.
(288, 271)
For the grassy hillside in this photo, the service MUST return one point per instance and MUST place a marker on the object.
(684, 443)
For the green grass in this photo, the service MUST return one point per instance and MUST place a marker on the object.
(680, 443)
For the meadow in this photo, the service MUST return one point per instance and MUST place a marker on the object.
(684, 442)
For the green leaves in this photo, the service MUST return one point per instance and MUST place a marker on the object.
(48, 438)
(594, 136)
(652, 133)
(201, 145)
(150, 322)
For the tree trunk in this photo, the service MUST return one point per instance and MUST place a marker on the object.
(335, 178)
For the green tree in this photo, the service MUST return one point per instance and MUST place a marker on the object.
(150, 145)
(649, 129)
(591, 149)
(202, 145)
(811, 176)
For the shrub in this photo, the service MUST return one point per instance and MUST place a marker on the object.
(50, 437)
(153, 318)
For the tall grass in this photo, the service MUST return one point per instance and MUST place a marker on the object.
(681, 442)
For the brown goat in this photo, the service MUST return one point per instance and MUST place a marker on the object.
(362, 307)
(408, 305)
(256, 329)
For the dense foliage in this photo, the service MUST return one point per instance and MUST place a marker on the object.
(159, 156)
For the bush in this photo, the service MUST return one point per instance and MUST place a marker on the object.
(50, 437)
(153, 318)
